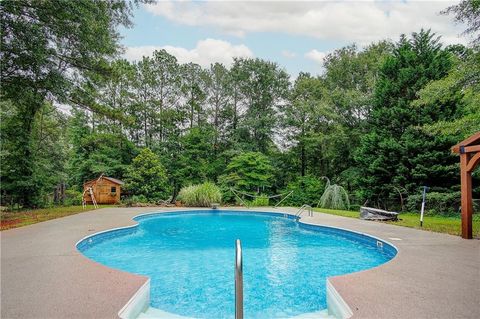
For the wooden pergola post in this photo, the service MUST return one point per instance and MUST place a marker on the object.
(469, 151)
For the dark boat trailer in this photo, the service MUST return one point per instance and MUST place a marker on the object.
(369, 213)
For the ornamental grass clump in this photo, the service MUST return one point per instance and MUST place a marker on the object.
(334, 197)
(201, 195)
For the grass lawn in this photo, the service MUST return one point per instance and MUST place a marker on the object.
(13, 219)
(441, 224)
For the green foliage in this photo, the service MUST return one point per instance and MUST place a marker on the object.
(73, 197)
(249, 172)
(146, 176)
(96, 153)
(306, 190)
(334, 197)
(436, 203)
(396, 156)
(264, 85)
(201, 195)
(46, 141)
(462, 83)
(134, 200)
(379, 120)
(260, 200)
(467, 12)
(49, 48)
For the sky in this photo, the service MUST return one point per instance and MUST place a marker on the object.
(295, 34)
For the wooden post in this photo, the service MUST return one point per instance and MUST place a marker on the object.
(469, 151)
(466, 202)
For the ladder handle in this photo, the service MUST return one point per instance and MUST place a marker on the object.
(238, 280)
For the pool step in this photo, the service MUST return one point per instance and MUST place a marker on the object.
(323, 314)
(154, 313)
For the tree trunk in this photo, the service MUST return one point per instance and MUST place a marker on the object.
(26, 190)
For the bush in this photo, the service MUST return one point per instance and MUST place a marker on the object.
(248, 172)
(446, 204)
(306, 190)
(261, 200)
(134, 200)
(147, 177)
(354, 207)
(201, 195)
(73, 197)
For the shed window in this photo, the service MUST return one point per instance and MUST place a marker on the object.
(113, 189)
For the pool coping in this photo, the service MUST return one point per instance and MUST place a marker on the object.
(43, 275)
(336, 305)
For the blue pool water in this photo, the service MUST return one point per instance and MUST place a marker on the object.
(189, 258)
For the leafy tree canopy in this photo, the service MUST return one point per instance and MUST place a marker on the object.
(249, 172)
(146, 176)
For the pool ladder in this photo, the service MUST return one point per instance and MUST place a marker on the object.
(238, 280)
(304, 208)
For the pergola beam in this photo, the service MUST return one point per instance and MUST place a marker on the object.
(471, 149)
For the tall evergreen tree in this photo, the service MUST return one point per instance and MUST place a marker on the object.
(396, 157)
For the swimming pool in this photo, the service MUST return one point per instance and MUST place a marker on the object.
(189, 257)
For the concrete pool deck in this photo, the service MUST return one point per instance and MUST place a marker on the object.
(44, 276)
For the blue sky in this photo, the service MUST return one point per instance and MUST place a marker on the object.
(296, 35)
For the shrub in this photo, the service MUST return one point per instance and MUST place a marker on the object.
(201, 195)
(435, 203)
(248, 172)
(306, 190)
(334, 197)
(73, 197)
(134, 200)
(261, 200)
(146, 176)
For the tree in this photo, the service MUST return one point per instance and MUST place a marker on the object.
(193, 89)
(395, 157)
(305, 115)
(249, 172)
(48, 141)
(47, 47)
(462, 84)
(194, 162)
(264, 86)
(468, 12)
(219, 98)
(146, 176)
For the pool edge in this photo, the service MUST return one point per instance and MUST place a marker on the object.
(336, 305)
(137, 304)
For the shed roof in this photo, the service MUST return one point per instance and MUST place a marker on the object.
(111, 179)
(114, 180)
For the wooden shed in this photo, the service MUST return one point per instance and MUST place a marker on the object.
(106, 190)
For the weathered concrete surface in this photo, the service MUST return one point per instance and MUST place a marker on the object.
(44, 276)
(433, 275)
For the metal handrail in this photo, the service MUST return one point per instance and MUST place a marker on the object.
(238, 280)
(303, 208)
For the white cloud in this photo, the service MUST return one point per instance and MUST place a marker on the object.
(316, 56)
(352, 21)
(289, 54)
(136, 53)
(205, 52)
